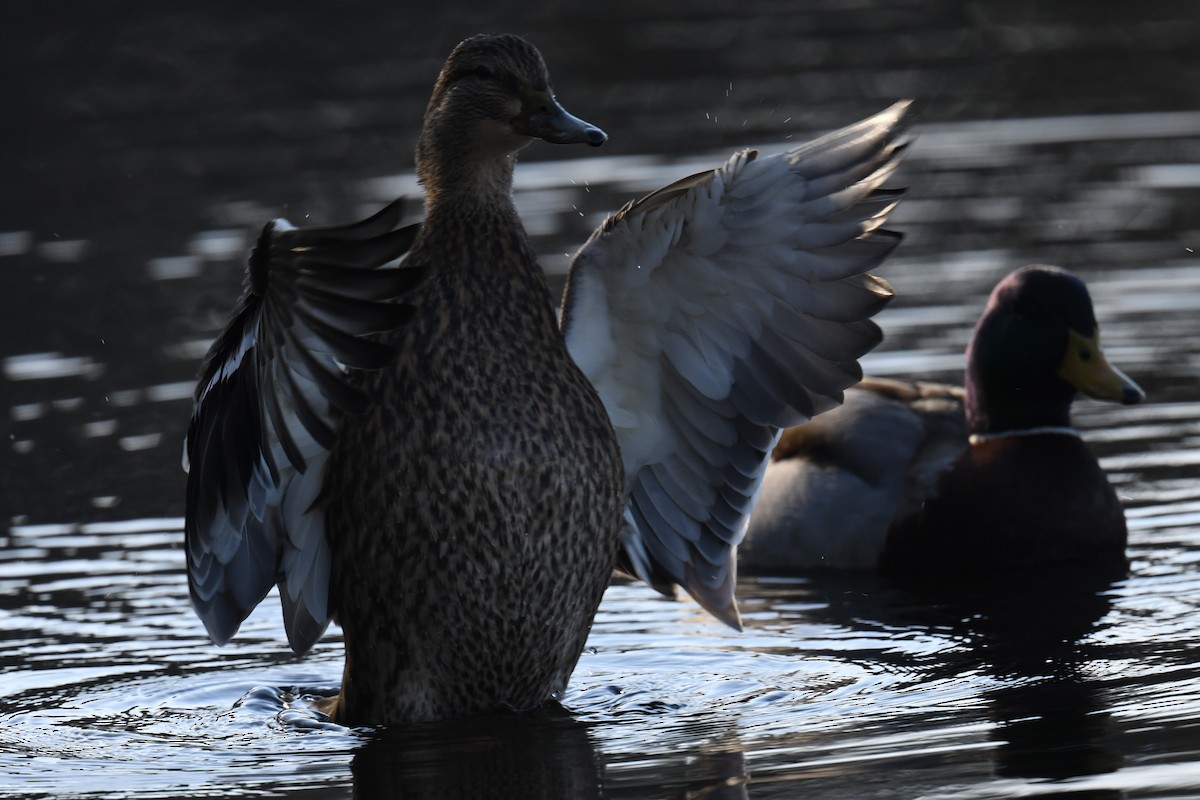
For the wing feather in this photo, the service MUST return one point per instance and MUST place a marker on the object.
(716, 311)
(265, 415)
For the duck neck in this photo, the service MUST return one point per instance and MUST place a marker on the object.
(479, 230)
(463, 171)
(995, 405)
(471, 222)
(450, 185)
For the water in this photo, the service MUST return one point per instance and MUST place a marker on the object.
(144, 148)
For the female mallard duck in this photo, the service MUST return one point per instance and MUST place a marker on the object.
(458, 505)
(924, 477)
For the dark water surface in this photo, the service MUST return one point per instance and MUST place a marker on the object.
(142, 147)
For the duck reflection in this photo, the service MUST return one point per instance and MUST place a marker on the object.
(542, 756)
(1029, 633)
(1050, 715)
(547, 755)
(1054, 728)
(702, 761)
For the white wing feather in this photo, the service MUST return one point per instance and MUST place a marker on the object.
(718, 310)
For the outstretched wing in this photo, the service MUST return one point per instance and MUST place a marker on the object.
(266, 406)
(718, 310)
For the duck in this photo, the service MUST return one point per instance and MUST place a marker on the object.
(926, 480)
(399, 430)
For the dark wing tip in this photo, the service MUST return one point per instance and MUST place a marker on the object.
(272, 383)
(717, 600)
(381, 223)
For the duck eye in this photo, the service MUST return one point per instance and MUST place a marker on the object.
(484, 72)
(1085, 354)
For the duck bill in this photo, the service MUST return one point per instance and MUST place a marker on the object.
(1087, 369)
(543, 118)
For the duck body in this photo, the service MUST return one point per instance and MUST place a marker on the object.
(837, 485)
(935, 479)
(428, 456)
(1010, 503)
(485, 519)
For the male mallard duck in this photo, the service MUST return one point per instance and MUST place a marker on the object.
(925, 477)
(459, 507)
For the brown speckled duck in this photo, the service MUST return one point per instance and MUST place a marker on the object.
(458, 504)
(922, 478)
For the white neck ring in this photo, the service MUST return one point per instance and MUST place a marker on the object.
(1041, 430)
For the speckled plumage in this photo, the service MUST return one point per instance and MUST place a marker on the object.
(475, 509)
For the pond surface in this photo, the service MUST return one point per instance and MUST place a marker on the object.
(146, 147)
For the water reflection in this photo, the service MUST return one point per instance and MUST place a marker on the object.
(1054, 727)
(541, 756)
(1051, 717)
(1026, 640)
(502, 757)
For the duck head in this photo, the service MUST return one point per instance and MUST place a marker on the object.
(492, 98)
(1035, 346)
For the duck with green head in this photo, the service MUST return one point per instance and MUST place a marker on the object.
(429, 456)
(931, 478)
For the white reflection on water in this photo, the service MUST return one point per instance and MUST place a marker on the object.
(28, 411)
(42, 366)
(1166, 176)
(15, 243)
(975, 138)
(217, 245)
(174, 267)
(142, 442)
(62, 251)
